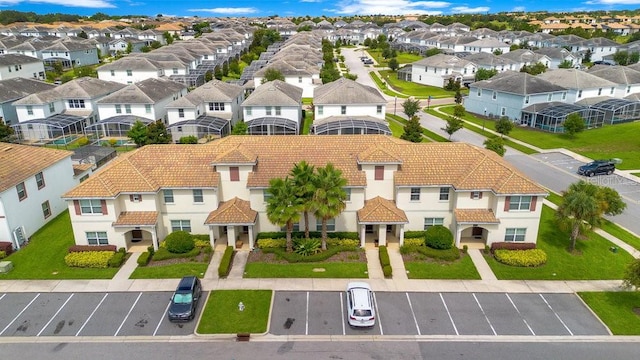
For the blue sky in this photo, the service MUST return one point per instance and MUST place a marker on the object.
(204, 8)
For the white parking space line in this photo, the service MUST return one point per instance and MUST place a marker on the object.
(164, 314)
(448, 313)
(378, 312)
(485, 315)
(306, 325)
(128, 313)
(556, 314)
(518, 311)
(3, 295)
(342, 313)
(20, 313)
(91, 315)
(54, 315)
(413, 314)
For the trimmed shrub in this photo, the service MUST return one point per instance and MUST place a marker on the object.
(312, 234)
(201, 243)
(521, 258)
(269, 243)
(117, 259)
(347, 243)
(512, 246)
(297, 258)
(307, 247)
(439, 237)
(444, 255)
(487, 249)
(81, 248)
(3, 254)
(225, 262)
(151, 250)
(7, 247)
(179, 242)
(164, 254)
(465, 249)
(144, 258)
(414, 242)
(383, 254)
(415, 234)
(89, 259)
(386, 270)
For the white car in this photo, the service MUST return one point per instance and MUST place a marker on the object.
(360, 305)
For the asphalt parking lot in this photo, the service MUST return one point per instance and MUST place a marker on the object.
(400, 313)
(89, 314)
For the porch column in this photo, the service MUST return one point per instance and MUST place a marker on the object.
(458, 235)
(382, 235)
(251, 240)
(231, 236)
(212, 237)
(362, 235)
(154, 238)
(401, 237)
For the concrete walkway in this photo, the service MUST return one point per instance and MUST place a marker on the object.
(481, 265)
(128, 267)
(373, 264)
(214, 264)
(239, 262)
(397, 264)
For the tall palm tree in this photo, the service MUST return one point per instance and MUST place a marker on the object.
(283, 206)
(302, 175)
(329, 196)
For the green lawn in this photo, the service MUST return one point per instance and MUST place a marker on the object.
(414, 89)
(221, 314)
(636, 174)
(592, 261)
(397, 129)
(620, 233)
(460, 269)
(384, 88)
(402, 57)
(428, 133)
(306, 270)
(554, 198)
(308, 121)
(173, 271)
(43, 257)
(615, 309)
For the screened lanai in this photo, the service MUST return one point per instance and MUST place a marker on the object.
(115, 127)
(618, 110)
(272, 126)
(552, 116)
(204, 127)
(59, 129)
(341, 125)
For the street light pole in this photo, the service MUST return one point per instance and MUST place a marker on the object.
(484, 118)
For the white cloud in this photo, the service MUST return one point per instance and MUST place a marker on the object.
(468, 10)
(518, 9)
(389, 7)
(242, 10)
(68, 3)
(613, 2)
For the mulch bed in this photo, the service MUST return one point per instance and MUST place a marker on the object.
(199, 258)
(345, 256)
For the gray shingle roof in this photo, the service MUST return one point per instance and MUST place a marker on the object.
(518, 83)
(15, 59)
(345, 91)
(575, 79)
(276, 93)
(212, 91)
(147, 91)
(617, 74)
(131, 63)
(442, 61)
(16, 88)
(82, 88)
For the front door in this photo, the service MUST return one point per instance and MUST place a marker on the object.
(476, 232)
(136, 235)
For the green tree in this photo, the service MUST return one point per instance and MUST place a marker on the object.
(191, 139)
(155, 44)
(272, 74)
(621, 57)
(139, 133)
(535, 69)
(208, 76)
(583, 205)
(83, 35)
(240, 128)
(632, 275)
(458, 97)
(410, 107)
(129, 47)
(497, 52)
(217, 72)
(573, 124)
(495, 144)
(565, 64)
(393, 64)
(484, 74)
(412, 130)
(329, 74)
(459, 111)
(432, 51)
(302, 176)
(634, 57)
(283, 206)
(329, 196)
(167, 37)
(6, 131)
(158, 133)
(453, 124)
(504, 126)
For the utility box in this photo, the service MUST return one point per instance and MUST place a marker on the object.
(5, 266)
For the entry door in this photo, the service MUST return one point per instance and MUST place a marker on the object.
(136, 235)
(476, 232)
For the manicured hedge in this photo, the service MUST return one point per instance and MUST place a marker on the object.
(144, 258)
(164, 254)
(118, 258)
(225, 262)
(179, 242)
(268, 243)
(3, 254)
(312, 234)
(89, 259)
(272, 243)
(521, 258)
(81, 248)
(512, 246)
(414, 241)
(297, 258)
(445, 255)
(385, 262)
(415, 234)
(439, 237)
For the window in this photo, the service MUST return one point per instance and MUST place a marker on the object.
(444, 193)
(52, 107)
(113, 73)
(300, 79)
(234, 173)
(503, 111)
(135, 198)
(197, 196)
(494, 95)
(216, 106)
(379, 173)
(168, 196)
(175, 71)
(97, 238)
(90, 207)
(519, 203)
(181, 225)
(331, 224)
(127, 109)
(29, 110)
(180, 113)
(564, 95)
(432, 222)
(76, 103)
(347, 191)
(379, 109)
(611, 91)
(249, 112)
(40, 180)
(343, 110)
(129, 73)
(268, 110)
(147, 108)
(628, 89)
(479, 92)
(278, 110)
(266, 195)
(415, 194)
(22, 191)
(599, 91)
(515, 234)
(118, 109)
(579, 94)
(549, 96)
(526, 99)
(476, 195)
(46, 209)
(320, 109)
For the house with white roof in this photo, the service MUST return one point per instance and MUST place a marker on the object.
(438, 69)
(274, 108)
(21, 66)
(15, 89)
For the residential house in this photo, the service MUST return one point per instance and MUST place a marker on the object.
(526, 57)
(274, 108)
(558, 55)
(70, 53)
(393, 186)
(488, 45)
(302, 74)
(15, 89)
(438, 69)
(21, 66)
(489, 61)
(580, 85)
(129, 70)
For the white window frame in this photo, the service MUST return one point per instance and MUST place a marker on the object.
(415, 194)
(89, 207)
(167, 195)
(520, 203)
(432, 221)
(181, 225)
(331, 225)
(97, 238)
(198, 196)
(515, 234)
(444, 194)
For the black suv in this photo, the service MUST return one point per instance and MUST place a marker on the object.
(185, 299)
(597, 167)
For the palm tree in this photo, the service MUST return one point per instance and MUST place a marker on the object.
(302, 174)
(329, 196)
(283, 206)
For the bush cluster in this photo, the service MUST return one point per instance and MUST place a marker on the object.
(312, 234)
(89, 259)
(413, 234)
(144, 258)
(81, 248)
(3, 254)
(414, 241)
(225, 262)
(439, 237)
(385, 262)
(164, 254)
(297, 258)
(179, 242)
(307, 247)
(521, 258)
(272, 243)
(7, 247)
(201, 243)
(512, 246)
(118, 258)
(445, 255)
(344, 242)
(269, 243)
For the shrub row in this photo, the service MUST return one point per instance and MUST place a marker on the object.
(293, 257)
(312, 234)
(268, 243)
(225, 262)
(164, 254)
(81, 248)
(521, 258)
(414, 241)
(445, 255)
(144, 258)
(89, 259)
(512, 246)
(385, 262)
(118, 258)
(412, 234)
(439, 237)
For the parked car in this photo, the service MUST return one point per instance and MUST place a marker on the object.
(597, 167)
(368, 61)
(184, 301)
(360, 305)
